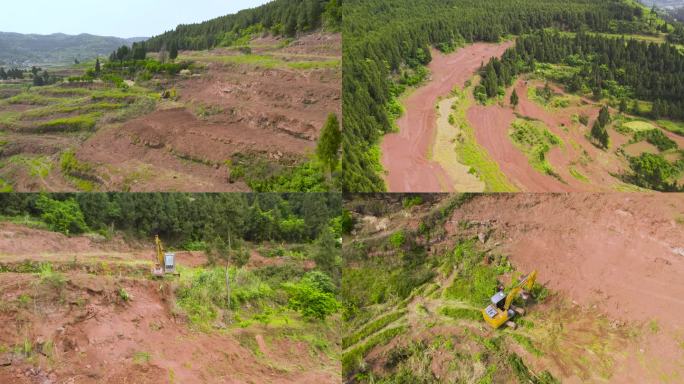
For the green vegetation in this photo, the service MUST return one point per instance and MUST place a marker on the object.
(142, 358)
(654, 172)
(52, 278)
(61, 216)
(318, 174)
(472, 154)
(285, 17)
(252, 217)
(372, 327)
(599, 131)
(656, 137)
(535, 140)
(328, 149)
(351, 358)
(461, 313)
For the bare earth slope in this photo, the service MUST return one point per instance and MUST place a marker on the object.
(83, 332)
(405, 154)
(621, 253)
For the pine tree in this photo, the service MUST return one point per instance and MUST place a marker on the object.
(97, 65)
(328, 149)
(514, 98)
(623, 105)
(173, 51)
(604, 116)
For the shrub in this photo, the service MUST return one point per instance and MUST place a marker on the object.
(397, 239)
(310, 301)
(62, 216)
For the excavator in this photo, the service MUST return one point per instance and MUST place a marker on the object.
(166, 261)
(502, 311)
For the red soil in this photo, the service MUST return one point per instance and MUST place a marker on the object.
(405, 154)
(96, 336)
(622, 254)
(492, 124)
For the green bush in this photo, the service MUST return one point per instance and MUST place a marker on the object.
(655, 137)
(397, 239)
(653, 172)
(62, 216)
(310, 301)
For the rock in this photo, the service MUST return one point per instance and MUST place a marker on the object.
(482, 237)
(5, 360)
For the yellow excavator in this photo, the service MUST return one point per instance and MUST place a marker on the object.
(502, 311)
(166, 261)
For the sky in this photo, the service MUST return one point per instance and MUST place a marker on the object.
(120, 18)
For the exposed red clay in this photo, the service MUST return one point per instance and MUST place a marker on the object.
(619, 254)
(405, 154)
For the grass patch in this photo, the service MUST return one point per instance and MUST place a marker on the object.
(37, 166)
(5, 187)
(50, 277)
(526, 343)
(471, 153)
(142, 358)
(535, 140)
(79, 173)
(68, 124)
(674, 127)
(578, 175)
(474, 286)
(371, 328)
(352, 358)
(639, 126)
(461, 313)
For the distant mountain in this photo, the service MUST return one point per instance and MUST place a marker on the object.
(664, 4)
(17, 49)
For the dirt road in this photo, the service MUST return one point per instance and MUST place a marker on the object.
(405, 155)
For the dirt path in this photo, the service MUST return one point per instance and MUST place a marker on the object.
(405, 154)
(445, 154)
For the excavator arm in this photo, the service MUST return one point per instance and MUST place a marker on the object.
(528, 282)
(511, 296)
(160, 250)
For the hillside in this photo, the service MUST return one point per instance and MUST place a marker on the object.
(419, 270)
(408, 64)
(56, 49)
(248, 114)
(80, 303)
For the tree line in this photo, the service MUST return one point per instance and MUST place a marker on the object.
(279, 17)
(623, 68)
(181, 217)
(383, 35)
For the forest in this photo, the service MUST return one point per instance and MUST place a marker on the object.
(399, 34)
(625, 69)
(180, 218)
(280, 17)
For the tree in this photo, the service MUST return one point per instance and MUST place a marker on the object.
(173, 51)
(623, 105)
(328, 149)
(604, 116)
(514, 98)
(326, 254)
(122, 53)
(98, 68)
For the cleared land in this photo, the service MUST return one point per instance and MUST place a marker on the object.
(85, 310)
(605, 308)
(405, 155)
(236, 110)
